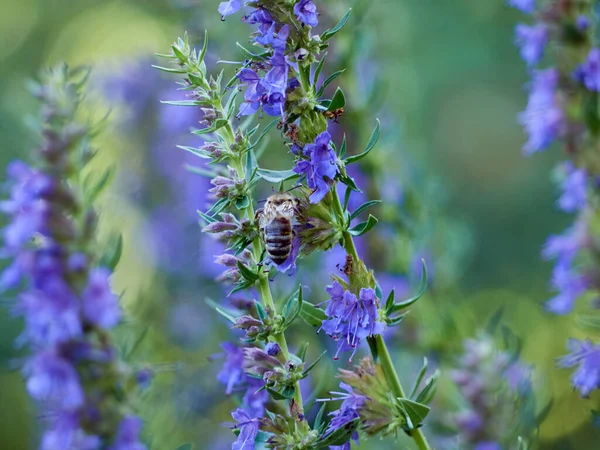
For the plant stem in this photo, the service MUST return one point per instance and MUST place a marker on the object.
(394, 383)
(385, 360)
(263, 282)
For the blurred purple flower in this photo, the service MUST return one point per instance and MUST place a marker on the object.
(128, 435)
(532, 41)
(527, 6)
(590, 70)
(543, 119)
(570, 285)
(574, 196)
(229, 7)
(586, 356)
(347, 412)
(100, 305)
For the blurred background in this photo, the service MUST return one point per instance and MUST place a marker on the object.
(447, 83)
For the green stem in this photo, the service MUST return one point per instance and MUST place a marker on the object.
(385, 360)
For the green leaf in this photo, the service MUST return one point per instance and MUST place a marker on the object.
(391, 321)
(185, 447)
(169, 69)
(312, 366)
(348, 181)
(250, 55)
(260, 311)
(246, 272)
(328, 81)
(413, 412)
(276, 395)
(288, 392)
(291, 318)
(362, 207)
(328, 34)
(343, 148)
(426, 395)
(219, 206)
(319, 68)
(422, 287)
(181, 102)
(341, 435)
(218, 308)
(372, 141)
(389, 303)
(242, 202)
(111, 258)
(196, 151)
(263, 133)
(276, 176)
(312, 315)
(420, 376)
(180, 56)
(373, 347)
(204, 47)
(94, 189)
(319, 419)
(136, 344)
(347, 195)
(302, 352)
(338, 100)
(363, 227)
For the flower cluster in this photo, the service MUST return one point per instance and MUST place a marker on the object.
(561, 105)
(586, 355)
(351, 318)
(279, 80)
(66, 300)
(490, 385)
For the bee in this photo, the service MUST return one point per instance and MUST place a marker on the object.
(275, 222)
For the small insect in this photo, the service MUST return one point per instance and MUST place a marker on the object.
(334, 115)
(275, 222)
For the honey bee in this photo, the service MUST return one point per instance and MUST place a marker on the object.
(275, 222)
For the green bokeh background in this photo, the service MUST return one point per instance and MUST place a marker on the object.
(453, 80)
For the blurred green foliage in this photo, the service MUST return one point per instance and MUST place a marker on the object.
(451, 84)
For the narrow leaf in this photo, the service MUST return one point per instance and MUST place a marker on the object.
(312, 315)
(276, 176)
(363, 227)
(328, 34)
(372, 141)
(218, 308)
(422, 287)
(426, 395)
(329, 79)
(420, 376)
(169, 69)
(414, 413)
(338, 100)
(246, 272)
(264, 132)
(341, 435)
(389, 303)
(363, 207)
(312, 366)
(319, 68)
(319, 419)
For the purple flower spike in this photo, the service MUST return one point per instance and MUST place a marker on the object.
(574, 196)
(128, 436)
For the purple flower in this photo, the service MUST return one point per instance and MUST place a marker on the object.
(564, 247)
(350, 318)
(232, 372)
(543, 118)
(348, 411)
(589, 71)
(66, 434)
(248, 430)
(128, 435)
(586, 355)
(276, 79)
(532, 41)
(574, 196)
(570, 285)
(100, 305)
(50, 378)
(527, 6)
(321, 167)
(487, 445)
(306, 12)
(254, 93)
(51, 316)
(272, 349)
(229, 7)
(260, 17)
(582, 23)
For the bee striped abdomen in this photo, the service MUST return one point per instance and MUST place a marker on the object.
(278, 239)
